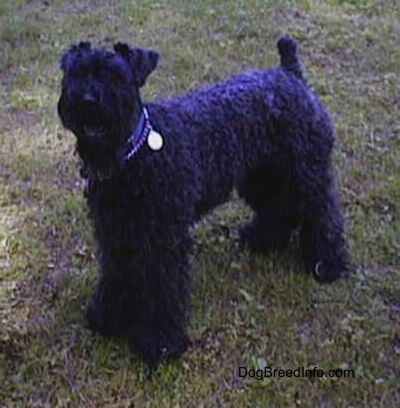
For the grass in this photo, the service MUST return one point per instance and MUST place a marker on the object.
(245, 310)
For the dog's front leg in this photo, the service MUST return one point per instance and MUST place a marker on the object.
(145, 296)
(158, 299)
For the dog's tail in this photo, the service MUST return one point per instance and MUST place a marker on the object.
(287, 48)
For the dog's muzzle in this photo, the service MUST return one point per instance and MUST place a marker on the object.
(92, 116)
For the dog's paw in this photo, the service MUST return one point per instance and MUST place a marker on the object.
(328, 271)
(155, 348)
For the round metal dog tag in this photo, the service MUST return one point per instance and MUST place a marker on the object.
(155, 140)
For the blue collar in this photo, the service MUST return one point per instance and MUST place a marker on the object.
(139, 136)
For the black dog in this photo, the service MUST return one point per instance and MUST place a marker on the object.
(154, 169)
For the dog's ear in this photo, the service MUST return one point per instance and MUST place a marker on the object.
(74, 52)
(142, 61)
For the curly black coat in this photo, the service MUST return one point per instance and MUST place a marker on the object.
(262, 132)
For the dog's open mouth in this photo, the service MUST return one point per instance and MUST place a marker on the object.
(93, 132)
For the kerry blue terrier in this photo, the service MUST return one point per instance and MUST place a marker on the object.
(154, 169)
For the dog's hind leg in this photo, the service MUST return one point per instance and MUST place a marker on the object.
(268, 191)
(322, 239)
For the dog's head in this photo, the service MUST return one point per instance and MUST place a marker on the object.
(100, 99)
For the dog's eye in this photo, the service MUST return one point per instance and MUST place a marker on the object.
(119, 76)
(79, 74)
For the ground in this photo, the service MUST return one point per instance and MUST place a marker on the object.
(245, 310)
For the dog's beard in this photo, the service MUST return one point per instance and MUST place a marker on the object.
(101, 132)
(99, 147)
(98, 141)
(99, 161)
